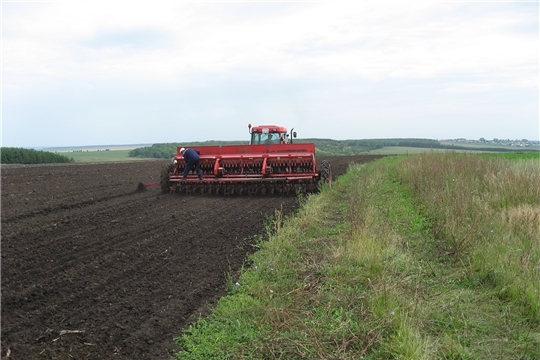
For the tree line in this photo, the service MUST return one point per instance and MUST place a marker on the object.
(12, 155)
(168, 150)
(324, 147)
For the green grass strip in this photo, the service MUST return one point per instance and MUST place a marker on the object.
(369, 270)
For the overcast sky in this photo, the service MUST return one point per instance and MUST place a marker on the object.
(129, 72)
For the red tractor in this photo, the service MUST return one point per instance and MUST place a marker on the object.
(270, 165)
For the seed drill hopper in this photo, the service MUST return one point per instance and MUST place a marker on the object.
(270, 165)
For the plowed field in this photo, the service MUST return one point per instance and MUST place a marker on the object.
(92, 269)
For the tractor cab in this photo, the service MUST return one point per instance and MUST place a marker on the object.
(270, 134)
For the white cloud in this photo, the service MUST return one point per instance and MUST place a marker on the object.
(166, 42)
(269, 60)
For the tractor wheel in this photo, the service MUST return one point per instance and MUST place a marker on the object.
(326, 172)
(165, 186)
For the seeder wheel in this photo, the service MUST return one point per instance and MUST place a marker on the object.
(165, 172)
(326, 172)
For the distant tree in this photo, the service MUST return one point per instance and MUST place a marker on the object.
(482, 139)
(11, 155)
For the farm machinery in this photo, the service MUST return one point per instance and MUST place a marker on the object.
(272, 164)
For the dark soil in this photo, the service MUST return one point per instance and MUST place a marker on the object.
(95, 268)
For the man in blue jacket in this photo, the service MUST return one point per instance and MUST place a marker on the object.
(193, 161)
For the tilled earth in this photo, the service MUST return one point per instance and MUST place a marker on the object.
(93, 269)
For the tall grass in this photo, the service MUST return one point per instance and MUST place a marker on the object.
(421, 257)
(486, 215)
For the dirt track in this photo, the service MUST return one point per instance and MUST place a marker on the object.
(92, 269)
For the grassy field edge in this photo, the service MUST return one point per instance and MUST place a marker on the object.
(432, 256)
